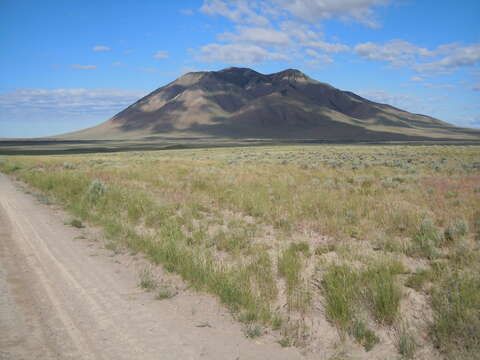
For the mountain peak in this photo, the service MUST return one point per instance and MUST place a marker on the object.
(240, 102)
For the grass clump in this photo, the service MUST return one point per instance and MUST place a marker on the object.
(426, 241)
(253, 331)
(417, 280)
(146, 279)
(364, 336)
(456, 306)
(165, 291)
(75, 223)
(340, 284)
(290, 265)
(405, 343)
(383, 293)
(347, 289)
(456, 230)
(95, 190)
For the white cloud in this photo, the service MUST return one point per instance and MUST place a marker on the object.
(161, 55)
(68, 100)
(238, 54)
(256, 35)
(320, 58)
(412, 103)
(396, 52)
(313, 10)
(416, 79)
(118, 63)
(439, 86)
(237, 11)
(328, 47)
(83, 67)
(299, 31)
(455, 57)
(101, 48)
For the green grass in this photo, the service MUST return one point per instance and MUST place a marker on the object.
(75, 223)
(340, 284)
(456, 305)
(405, 342)
(383, 293)
(364, 336)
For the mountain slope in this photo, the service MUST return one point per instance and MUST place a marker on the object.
(242, 103)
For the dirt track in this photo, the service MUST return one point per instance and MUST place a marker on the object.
(67, 298)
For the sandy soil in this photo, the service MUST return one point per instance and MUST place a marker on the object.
(63, 296)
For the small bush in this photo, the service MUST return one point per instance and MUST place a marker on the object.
(253, 331)
(75, 223)
(418, 279)
(96, 189)
(69, 166)
(146, 279)
(366, 337)
(165, 292)
(456, 230)
(426, 241)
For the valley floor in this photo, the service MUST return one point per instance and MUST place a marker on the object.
(313, 251)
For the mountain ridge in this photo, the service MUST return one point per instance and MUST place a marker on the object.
(243, 103)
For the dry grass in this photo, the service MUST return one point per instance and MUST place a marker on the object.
(275, 231)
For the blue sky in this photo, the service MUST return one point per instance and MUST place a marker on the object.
(66, 65)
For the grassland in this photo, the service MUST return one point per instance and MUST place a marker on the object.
(378, 245)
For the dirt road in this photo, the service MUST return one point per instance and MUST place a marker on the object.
(62, 297)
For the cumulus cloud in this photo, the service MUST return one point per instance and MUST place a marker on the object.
(396, 52)
(320, 58)
(256, 35)
(101, 48)
(161, 55)
(83, 67)
(40, 112)
(238, 11)
(412, 103)
(237, 54)
(454, 57)
(312, 10)
(272, 30)
(445, 58)
(68, 100)
(328, 47)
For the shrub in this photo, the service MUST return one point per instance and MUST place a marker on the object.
(456, 230)
(146, 279)
(96, 189)
(366, 337)
(426, 241)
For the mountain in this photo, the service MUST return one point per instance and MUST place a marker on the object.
(241, 103)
